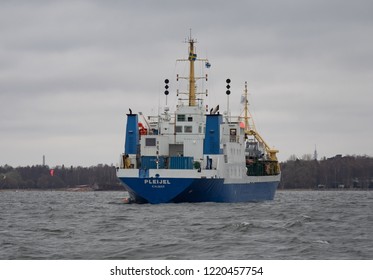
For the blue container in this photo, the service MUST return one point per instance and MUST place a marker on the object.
(150, 162)
(181, 163)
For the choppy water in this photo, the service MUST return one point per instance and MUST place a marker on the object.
(97, 225)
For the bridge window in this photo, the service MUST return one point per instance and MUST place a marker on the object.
(181, 118)
(150, 142)
(233, 135)
(188, 129)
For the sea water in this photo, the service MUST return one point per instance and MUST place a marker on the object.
(98, 225)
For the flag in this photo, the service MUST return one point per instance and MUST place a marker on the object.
(192, 56)
(243, 99)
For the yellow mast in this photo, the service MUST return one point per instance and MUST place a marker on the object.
(192, 80)
(248, 120)
(246, 117)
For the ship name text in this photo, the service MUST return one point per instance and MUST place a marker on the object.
(157, 181)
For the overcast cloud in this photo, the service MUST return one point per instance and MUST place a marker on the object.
(69, 71)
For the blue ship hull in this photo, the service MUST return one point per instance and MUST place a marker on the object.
(176, 190)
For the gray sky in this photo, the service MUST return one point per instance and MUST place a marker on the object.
(69, 71)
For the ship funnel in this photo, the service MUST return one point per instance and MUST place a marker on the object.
(132, 134)
(211, 143)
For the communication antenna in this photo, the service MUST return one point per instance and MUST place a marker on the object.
(315, 153)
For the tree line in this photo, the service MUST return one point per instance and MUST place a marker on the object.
(305, 173)
(43, 177)
(336, 172)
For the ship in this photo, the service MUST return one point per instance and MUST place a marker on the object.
(196, 154)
